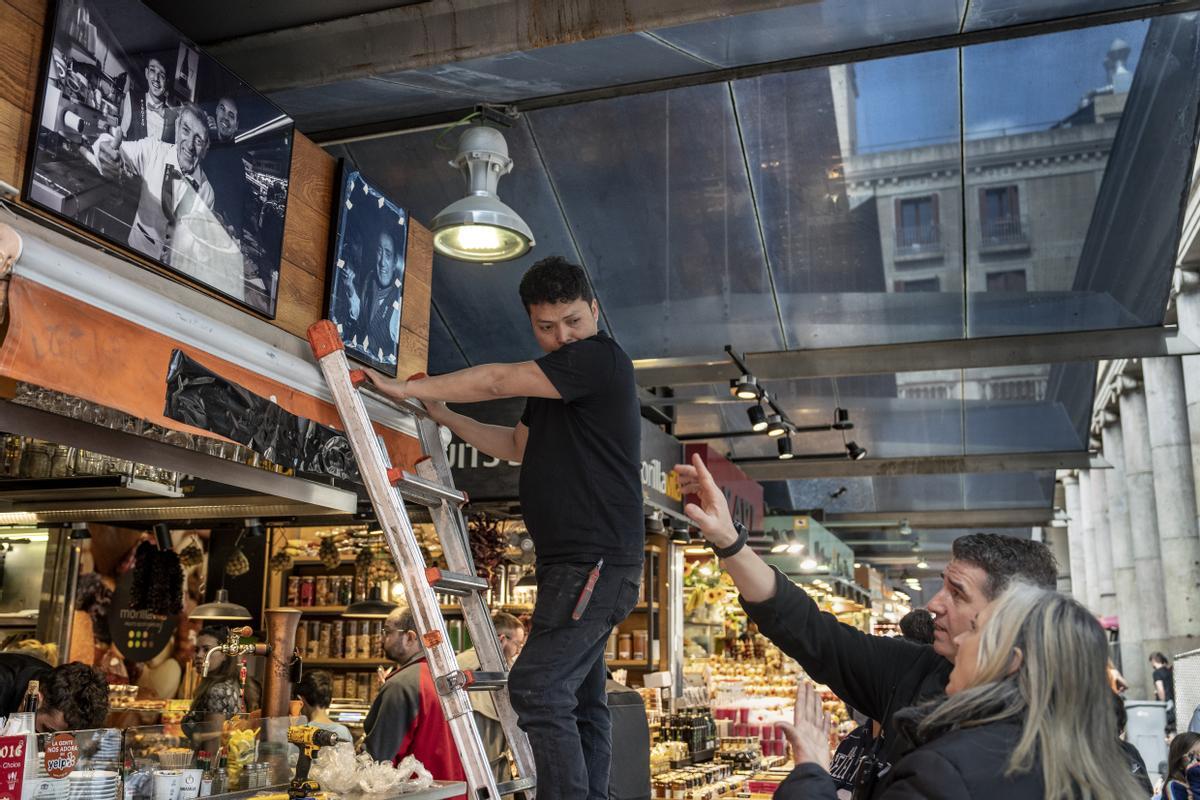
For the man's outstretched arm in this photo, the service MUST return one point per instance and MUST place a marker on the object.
(472, 385)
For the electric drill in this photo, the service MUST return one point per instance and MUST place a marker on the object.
(309, 740)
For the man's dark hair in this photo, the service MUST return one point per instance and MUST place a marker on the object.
(1177, 756)
(554, 280)
(79, 692)
(316, 688)
(1006, 557)
(917, 626)
(1158, 658)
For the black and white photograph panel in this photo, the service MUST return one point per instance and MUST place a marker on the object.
(368, 272)
(148, 143)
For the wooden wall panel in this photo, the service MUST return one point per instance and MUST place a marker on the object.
(14, 123)
(303, 272)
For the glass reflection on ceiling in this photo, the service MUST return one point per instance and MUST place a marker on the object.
(654, 189)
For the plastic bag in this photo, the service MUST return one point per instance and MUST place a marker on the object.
(339, 770)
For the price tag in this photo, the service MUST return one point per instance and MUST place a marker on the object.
(62, 755)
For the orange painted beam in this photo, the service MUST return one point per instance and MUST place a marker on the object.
(61, 343)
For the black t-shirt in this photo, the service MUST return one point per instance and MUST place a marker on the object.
(581, 486)
(1167, 676)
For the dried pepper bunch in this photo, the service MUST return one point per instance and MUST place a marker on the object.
(192, 555)
(488, 540)
(329, 554)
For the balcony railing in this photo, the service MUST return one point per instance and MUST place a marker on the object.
(918, 239)
(1003, 234)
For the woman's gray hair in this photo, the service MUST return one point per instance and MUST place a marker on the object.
(1043, 660)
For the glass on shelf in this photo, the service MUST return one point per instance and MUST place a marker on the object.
(37, 459)
(62, 461)
(14, 451)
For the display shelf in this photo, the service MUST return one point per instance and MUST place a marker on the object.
(629, 663)
(308, 561)
(321, 610)
(346, 662)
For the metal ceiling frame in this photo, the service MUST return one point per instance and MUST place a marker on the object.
(951, 354)
(775, 469)
(307, 497)
(1027, 517)
(959, 39)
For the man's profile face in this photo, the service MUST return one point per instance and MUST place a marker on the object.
(156, 79)
(227, 118)
(50, 720)
(191, 139)
(385, 259)
(557, 324)
(956, 605)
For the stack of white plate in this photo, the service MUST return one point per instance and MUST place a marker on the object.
(110, 747)
(94, 784)
(45, 788)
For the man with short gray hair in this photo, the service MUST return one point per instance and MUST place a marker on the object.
(406, 716)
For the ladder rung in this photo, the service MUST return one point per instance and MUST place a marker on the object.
(426, 493)
(470, 680)
(486, 681)
(455, 583)
(519, 785)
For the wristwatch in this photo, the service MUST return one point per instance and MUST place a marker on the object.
(738, 543)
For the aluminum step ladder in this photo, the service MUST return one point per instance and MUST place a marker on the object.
(433, 488)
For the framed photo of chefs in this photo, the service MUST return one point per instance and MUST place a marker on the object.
(148, 143)
(366, 283)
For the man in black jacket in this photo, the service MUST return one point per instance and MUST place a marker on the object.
(876, 675)
(74, 696)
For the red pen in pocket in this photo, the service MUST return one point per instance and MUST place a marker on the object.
(585, 596)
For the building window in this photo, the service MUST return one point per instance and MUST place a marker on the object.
(1012, 280)
(1000, 216)
(917, 223)
(925, 392)
(1021, 389)
(920, 285)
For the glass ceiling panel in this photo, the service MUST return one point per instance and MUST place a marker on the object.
(1020, 409)
(1029, 409)
(444, 353)
(1066, 184)
(907, 493)
(561, 69)
(654, 188)
(829, 151)
(983, 14)
(803, 29)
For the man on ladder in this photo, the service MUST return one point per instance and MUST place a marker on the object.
(579, 444)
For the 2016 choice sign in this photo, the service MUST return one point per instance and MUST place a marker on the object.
(368, 272)
(148, 143)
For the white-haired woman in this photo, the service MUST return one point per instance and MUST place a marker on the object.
(1028, 715)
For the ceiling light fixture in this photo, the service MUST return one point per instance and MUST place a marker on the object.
(785, 448)
(745, 388)
(841, 420)
(221, 610)
(905, 529)
(480, 228)
(922, 564)
(758, 418)
(374, 607)
(855, 452)
(776, 426)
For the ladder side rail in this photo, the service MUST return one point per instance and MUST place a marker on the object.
(451, 527)
(402, 543)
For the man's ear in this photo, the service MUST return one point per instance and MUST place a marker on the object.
(595, 310)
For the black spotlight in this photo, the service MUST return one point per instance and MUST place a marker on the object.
(776, 426)
(745, 388)
(758, 418)
(855, 452)
(841, 420)
(785, 448)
